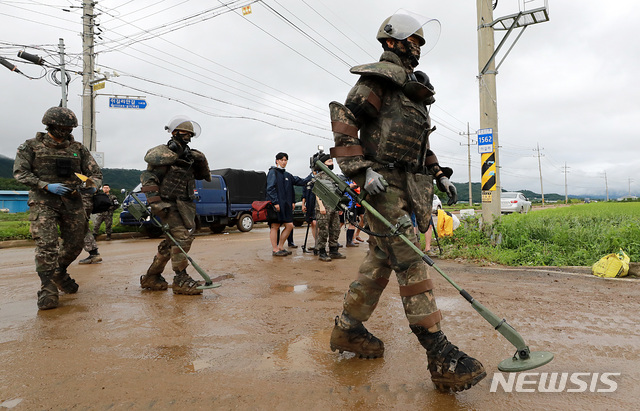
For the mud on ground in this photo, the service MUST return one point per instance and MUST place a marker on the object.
(261, 340)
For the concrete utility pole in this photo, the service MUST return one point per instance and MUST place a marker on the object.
(63, 75)
(606, 185)
(468, 133)
(566, 194)
(487, 85)
(88, 111)
(540, 170)
(488, 101)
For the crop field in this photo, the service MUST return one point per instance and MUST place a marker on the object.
(577, 235)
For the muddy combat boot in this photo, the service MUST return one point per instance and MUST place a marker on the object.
(335, 255)
(153, 282)
(356, 340)
(184, 284)
(48, 294)
(450, 368)
(323, 256)
(64, 282)
(93, 258)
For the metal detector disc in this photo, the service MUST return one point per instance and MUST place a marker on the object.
(536, 359)
(208, 286)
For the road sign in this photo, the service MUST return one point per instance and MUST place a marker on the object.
(98, 86)
(485, 140)
(116, 102)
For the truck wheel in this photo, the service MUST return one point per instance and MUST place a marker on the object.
(245, 223)
(152, 231)
(217, 228)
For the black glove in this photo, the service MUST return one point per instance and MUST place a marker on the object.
(445, 185)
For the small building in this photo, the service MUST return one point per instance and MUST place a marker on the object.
(12, 201)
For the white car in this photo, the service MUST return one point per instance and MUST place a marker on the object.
(513, 202)
(437, 204)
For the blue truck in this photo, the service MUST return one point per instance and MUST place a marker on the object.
(223, 202)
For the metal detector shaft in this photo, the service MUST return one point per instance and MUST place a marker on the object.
(500, 325)
(165, 230)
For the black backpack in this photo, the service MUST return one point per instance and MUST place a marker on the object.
(101, 202)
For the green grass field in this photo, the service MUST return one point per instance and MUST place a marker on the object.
(576, 235)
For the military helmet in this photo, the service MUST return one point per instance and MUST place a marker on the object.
(185, 126)
(60, 116)
(183, 123)
(404, 24)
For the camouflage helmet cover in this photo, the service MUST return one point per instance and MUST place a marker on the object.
(60, 116)
(183, 123)
(404, 24)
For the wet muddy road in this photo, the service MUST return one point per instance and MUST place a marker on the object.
(261, 340)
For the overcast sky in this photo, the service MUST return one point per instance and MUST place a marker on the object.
(261, 83)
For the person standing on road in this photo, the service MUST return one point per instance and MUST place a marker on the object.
(168, 183)
(106, 216)
(90, 243)
(328, 220)
(392, 161)
(281, 194)
(48, 164)
(309, 210)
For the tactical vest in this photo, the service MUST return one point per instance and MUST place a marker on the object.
(179, 182)
(400, 133)
(56, 165)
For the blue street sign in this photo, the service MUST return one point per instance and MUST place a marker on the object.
(116, 102)
(485, 140)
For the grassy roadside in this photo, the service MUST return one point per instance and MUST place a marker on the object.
(16, 226)
(577, 235)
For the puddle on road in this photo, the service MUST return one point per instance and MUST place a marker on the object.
(318, 292)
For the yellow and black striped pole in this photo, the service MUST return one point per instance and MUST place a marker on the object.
(488, 175)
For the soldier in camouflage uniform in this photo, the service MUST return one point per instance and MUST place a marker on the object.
(392, 161)
(47, 164)
(328, 220)
(106, 217)
(168, 183)
(90, 243)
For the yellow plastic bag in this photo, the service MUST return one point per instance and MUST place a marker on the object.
(612, 265)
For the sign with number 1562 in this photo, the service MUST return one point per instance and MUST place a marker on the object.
(485, 140)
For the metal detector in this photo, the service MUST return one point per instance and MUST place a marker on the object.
(140, 212)
(522, 360)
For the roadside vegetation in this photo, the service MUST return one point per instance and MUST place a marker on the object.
(577, 235)
(16, 226)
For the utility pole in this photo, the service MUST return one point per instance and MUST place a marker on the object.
(468, 133)
(88, 111)
(630, 180)
(606, 185)
(540, 170)
(488, 101)
(565, 171)
(487, 86)
(63, 75)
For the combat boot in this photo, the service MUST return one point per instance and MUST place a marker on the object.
(356, 340)
(335, 255)
(48, 294)
(64, 282)
(450, 368)
(93, 258)
(322, 255)
(153, 282)
(184, 284)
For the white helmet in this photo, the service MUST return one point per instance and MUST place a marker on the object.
(183, 122)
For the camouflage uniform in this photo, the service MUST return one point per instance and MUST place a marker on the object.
(169, 183)
(388, 107)
(394, 142)
(329, 223)
(105, 217)
(41, 161)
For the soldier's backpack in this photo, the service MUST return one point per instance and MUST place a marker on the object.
(101, 202)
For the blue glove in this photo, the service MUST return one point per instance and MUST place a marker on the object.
(58, 189)
(374, 183)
